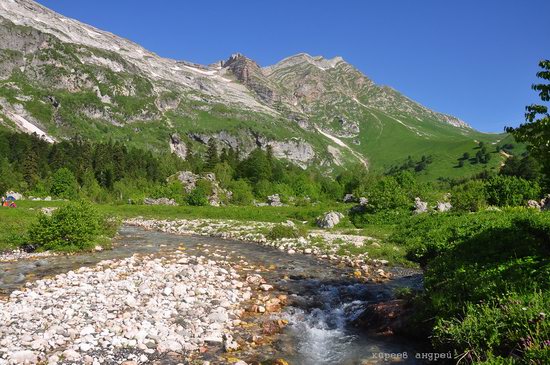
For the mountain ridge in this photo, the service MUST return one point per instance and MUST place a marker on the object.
(301, 103)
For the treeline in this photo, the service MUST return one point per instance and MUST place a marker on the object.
(111, 171)
(95, 170)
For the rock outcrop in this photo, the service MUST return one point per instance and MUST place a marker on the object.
(177, 146)
(189, 182)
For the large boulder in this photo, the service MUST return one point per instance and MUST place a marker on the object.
(544, 203)
(14, 196)
(188, 180)
(420, 206)
(329, 220)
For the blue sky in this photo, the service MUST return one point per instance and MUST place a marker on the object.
(475, 59)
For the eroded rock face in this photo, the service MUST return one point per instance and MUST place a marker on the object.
(329, 220)
(177, 146)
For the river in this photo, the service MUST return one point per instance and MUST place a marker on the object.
(324, 300)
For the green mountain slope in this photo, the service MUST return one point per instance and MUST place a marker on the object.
(59, 78)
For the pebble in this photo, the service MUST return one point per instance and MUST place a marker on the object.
(150, 304)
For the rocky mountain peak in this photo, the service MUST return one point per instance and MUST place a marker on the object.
(306, 59)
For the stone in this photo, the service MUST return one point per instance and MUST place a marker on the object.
(255, 279)
(23, 357)
(443, 207)
(159, 201)
(274, 200)
(71, 355)
(14, 195)
(349, 198)
(545, 203)
(329, 220)
(169, 345)
(420, 206)
(533, 204)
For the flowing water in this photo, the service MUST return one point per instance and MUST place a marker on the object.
(324, 300)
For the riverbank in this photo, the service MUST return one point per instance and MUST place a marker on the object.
(135, 310)
(329, 246)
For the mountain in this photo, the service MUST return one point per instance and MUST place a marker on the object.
(60, 77)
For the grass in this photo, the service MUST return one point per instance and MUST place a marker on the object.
(487, 281)
(14, 223)
(248, 213)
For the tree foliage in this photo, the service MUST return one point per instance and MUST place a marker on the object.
(536, 131)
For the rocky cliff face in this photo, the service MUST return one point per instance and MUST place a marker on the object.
(64, 77)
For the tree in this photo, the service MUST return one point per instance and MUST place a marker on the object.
(64, 184)
(212, 158)
(255, 167)
(525, 167)
(30, 169)
(536, 130)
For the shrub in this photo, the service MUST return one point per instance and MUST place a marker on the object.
(74, 227)
(486, 281)
(200, 194)
(469, 196)
(242, 193)
(284, 231)
(510, 190)
(384, 194)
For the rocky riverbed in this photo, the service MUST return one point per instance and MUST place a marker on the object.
(321, 244)
(195, 297)
(136, 310)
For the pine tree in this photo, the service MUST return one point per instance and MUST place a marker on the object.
(30, 169)
(212, 157)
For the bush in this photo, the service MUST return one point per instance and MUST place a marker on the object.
(384, 194)
(469, 197)
(74, 227)
(284, 231)
(200, 194)
(242, 193)
(487, 277)
(510, 190)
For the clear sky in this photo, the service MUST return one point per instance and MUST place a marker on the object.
(475, 59)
